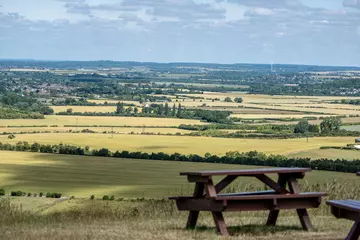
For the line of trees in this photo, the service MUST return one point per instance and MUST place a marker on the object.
(245, 158)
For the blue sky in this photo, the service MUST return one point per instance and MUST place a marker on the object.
(324, 32)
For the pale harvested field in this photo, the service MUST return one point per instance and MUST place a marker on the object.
(261, 116)
(82, 109)
(88, 120)
(120, 130)
(182, 144)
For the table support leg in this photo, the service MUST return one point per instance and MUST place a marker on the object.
(304, 219)
(193, 215)
(273, 215)
(302, 212)
(354, 232)
(192, 219)
(220, 223)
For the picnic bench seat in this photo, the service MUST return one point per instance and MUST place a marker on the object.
(249, 202)
(348, 209)
(208, 197)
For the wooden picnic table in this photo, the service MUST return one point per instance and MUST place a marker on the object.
(348, 209)
(208, 197)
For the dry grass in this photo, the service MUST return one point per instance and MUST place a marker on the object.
(85, 219)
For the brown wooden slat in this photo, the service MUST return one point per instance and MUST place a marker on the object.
(273, 196)
(350, 205)
(247, 172)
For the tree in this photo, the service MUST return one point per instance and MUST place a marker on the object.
(69, 110)
(330, 124)
(179, 111)
(173, 113)
(120, 108)
(302, 126)
(238, 100)
(228, 99)
(136, 110)
(166, 110)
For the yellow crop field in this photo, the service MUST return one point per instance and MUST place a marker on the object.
(182, 144)
(102, 109)
(119, 130)
(89, 120)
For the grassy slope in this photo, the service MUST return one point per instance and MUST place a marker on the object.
(183, 144)
(83, 176)
(85, 219)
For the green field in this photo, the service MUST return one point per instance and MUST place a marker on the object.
(328, 153)
(83, 176)
(352, 128)
(182, 144)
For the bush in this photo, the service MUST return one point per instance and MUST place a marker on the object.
(92, 197)
(48, 195)
(112, 198)
(35, 194)
(106, 198)
(16, 193)
(29, 194)
(2, 192)
(41, 194)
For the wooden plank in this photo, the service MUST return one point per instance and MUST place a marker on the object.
(202, 179)
(354, 232)
(220, 223)
(193, 215)
(247, 172)
(272, 184)
(212, 205)
(272, 196)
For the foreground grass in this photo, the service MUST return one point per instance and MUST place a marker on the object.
(86, 219)
(182, 144)
(82, 176)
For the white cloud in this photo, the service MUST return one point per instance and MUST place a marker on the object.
(286, 31)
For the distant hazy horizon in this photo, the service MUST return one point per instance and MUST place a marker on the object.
(305, 32)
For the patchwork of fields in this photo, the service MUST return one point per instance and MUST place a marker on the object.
(182, 144)
(83, 176)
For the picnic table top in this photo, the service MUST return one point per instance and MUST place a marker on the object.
(247, 172)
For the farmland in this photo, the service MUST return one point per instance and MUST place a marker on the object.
(182, 144)
(90, 120)
(83, 176)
